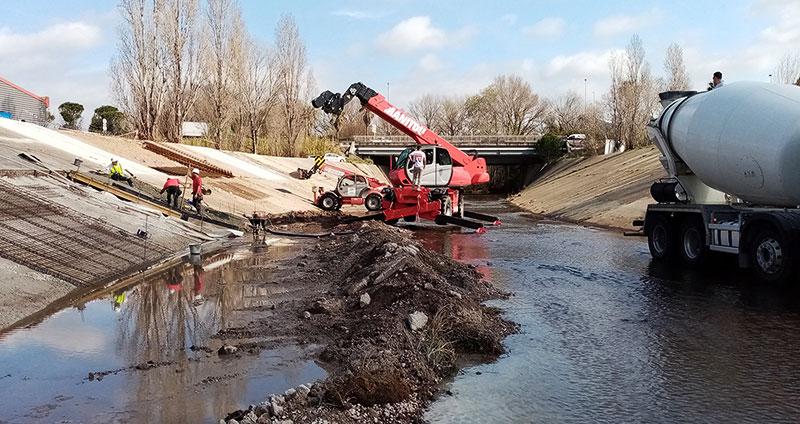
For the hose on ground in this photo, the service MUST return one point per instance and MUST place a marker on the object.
(285, 234)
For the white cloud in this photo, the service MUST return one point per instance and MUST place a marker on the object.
(625, 24)
(547, 28)
(509, 19)
(418, 33)
(358, 14)
(430, 63)
(61, 37)
(66, 61)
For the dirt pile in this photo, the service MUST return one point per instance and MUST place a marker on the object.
(393, 318)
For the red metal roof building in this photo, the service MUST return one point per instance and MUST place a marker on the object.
(19, 103)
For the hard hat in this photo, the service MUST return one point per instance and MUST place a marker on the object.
(113, 160)
(196, 171)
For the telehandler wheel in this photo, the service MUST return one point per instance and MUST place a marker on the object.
(447, 207)
(460, 213)
(692, 239)
(770, 256)
(410, 218)
(328, 202)
(373, 202)
(660, 237)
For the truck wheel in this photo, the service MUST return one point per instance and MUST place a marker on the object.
(328, 201)
(693, 248)
(410, 218)
(374, 202)
(660, 237)
(460, 203)
(769, 256)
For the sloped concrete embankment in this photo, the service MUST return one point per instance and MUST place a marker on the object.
(609, 191)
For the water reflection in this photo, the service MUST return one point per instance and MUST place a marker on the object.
(151, 353)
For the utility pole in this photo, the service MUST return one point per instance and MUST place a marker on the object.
(585, 85)
(770, 78)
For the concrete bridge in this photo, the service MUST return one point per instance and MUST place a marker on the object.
(496, 149)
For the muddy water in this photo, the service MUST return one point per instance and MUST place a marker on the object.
(608, 336)
(149, 356)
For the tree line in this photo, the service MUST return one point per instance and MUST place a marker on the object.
(183, 60)
(187, 60)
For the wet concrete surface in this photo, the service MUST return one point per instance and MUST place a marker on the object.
(147, 353)
(609, 336)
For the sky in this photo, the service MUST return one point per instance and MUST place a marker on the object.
(406, 48)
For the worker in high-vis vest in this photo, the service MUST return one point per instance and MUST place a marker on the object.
(119, 299)
(117, 173)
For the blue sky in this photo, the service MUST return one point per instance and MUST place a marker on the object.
(62, 49)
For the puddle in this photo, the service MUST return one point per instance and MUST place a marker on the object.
(146, 353)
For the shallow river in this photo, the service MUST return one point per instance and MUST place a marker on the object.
(605, 336)
(608, 336)
(89, 364)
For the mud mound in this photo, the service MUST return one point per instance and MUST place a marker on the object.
(393, 318)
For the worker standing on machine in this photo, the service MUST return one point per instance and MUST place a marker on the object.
(197, 190)
(417, 165)
(173, 189)
(117, 173)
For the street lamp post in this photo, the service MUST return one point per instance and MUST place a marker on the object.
(585, 84)
(770, 78)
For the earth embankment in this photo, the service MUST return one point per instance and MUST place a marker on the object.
(608, 191)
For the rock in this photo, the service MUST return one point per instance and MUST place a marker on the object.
(227, 350)
(232, 421)
(411, 250)
(264, 419)
(428, 286)
(324, 306)
(307, 315)
(390, 269)
(301, 264)
(250, 418)
(417, 320)
(262, 409)
(303, 390)
(275, 409)
(358, 286)
(364, 300)
(221, 421)
(455, 294)
(289, 394)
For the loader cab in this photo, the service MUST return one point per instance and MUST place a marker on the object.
(438, 167)
(352, 185)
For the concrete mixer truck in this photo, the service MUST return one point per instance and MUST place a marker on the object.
(733, 161)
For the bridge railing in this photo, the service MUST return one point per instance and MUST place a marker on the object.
(460, 139)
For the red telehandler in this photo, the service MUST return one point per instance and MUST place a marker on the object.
(447, 172)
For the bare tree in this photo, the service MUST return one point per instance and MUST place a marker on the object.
(138, 80)
(631, 99)
(181, 58)
(453, 118)
(788, 71)
(255, 85)
(427, 110)
(294, 83)
(222, 18)
(521, 111)
(678, 78)
(566, 113)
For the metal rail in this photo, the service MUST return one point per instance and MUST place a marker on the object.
(185, 158)
(123, 194)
